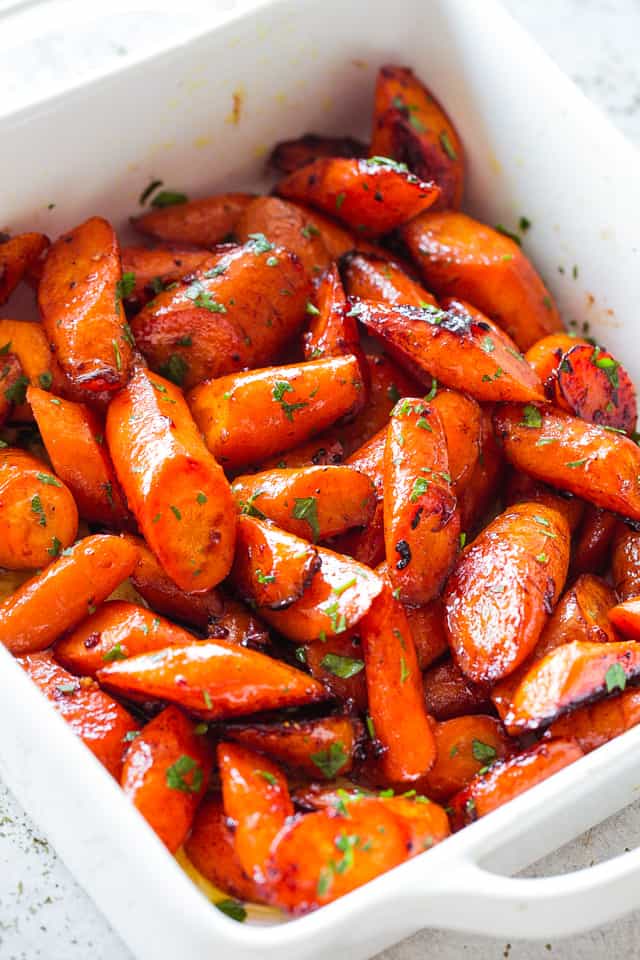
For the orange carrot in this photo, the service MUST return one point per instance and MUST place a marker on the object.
(17, 255)
(597, 723)
(465, 745)
(371, 277)
(448, 693)
(202, 222)
(625, 562)
(290, 155)
(285, 225)
(594, 386)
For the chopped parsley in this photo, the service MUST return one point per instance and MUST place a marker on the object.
(175, 369)
(306, 508)
(176, 775)
(280, 388)
(446, 145)
(331, 760)
(615, 678)
(168, 198)
(343, 667)
(531, 417)
(232, 908)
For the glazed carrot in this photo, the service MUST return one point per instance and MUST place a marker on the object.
(292, 402)
(271, 568)
(117, 630)
(239, 313)
(591, 549)
(594, 386)
(79, 297)
(448, 693)
(394, 688)
(149, 272)
(411, 126)
(290, 155)
(176, 490)
(285, 225)
(336, 239)
(338, 664)
(74, 437)
(625, 562)
(569, 676)
(323, 450)
(37, 512)
(165, 774)
(370, 277)
(521, 487)
(310, 502)
(482, 486)
(17, 254)
(61, 596)
(213, 679)
(426, 624)
(507, 779)
(597, 723)
(319, 748)
(340, 594)
(367, 545)
(13, 384)
(505, 585)
(588, 461)
(333, 331)
(237, 624)
(465, 745)
(202, 222)
(545, 356)
(210, 847)
(460, 257)
(421, 522)
(458, 347)
(256, 799)
(29, 343)
(101, 723)
(373, 196)
(461, 420)
(625, 617)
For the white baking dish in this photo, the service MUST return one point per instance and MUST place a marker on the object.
(537, 148)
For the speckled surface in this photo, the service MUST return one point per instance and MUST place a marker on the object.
(43, 913)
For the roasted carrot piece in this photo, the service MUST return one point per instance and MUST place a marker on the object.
(293, 401)
(256, 799)
(465, 745)
(483, 484)
(320, 856)
(74, 437)
(625, 562)
(60, 597)
(117, 630)
(149, 272)
(176, 490)
(587, 460)
(213, 679)
(37, 511)
(597, 723)
(448, 693)
(339, 665)
(79, 297)
(237, 624)
(240, 313)
(591, 549)
(373, 196)
(310, 502)
(421, 522)
(460, 257)
(38, 366)
(426, 624)
(271, 568)
(394, 688)
(319, 748)
(411, 126)
(333, 331)
(290, 155)
(372, 277)
(336, 239)
(101, 723)
(367, 545)
(505, 585)
(461, 418)
(594, 386)
(521, 487)
(17, 254)
(507, 779)
(13, 384)
(340, 594)
(457, 346)
(545, 356)
(202, 222)
(285, 225)
(165, 774)
(625, 617)
(323, 450)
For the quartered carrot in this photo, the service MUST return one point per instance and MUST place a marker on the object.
(482, 487)
(458, 347)
(461, 418)
(411, 126)
(202, 222)
(507, 779)
(587, 460)
(460, 257)
(290, 155)
(256, 800)
(271, 568)
(238, 313)
(166, 773)
(371, 277)
(340, 594)
(17, 255)
(372, 196)
(593, 542)
(292, 402)
(64, 593)
(625, 562)
(102, 724)
(448, 693)
(594, 386)
(332, 330)
(80, 296)
(176, 490)
(464, 746)
(426, 624)
(237, 624)
(285, 225)
(213, 679)
(545, 356)
(597, 723)
(504, 587)
(521, 487)
(338, 663)
(421, 522)
(149, 271)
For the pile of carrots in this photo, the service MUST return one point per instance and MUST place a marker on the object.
(318, 566)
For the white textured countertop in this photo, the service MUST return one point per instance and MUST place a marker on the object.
(43, 912)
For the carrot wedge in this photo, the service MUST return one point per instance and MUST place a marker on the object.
(625, 562)
(625, 617)
(426, 624)
(339, 666)
(102, 724)
(213, 679)
(371, 277)
(285, 225)
(465, 745)
(545, 355)
(448, 693)
(174, 487)
(592, 547)
(290, 155)
(61, 596)
(483, 484)
(202, 222)
(367, 545)
(17, 255)
(149, 272)
(583, 458)
(237, 624)
(333, 331)
(458, 347)
(165, 774)
(29, 343)
(597, 723)
(594, 386)
(373, 196)
(79, 297)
